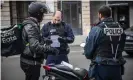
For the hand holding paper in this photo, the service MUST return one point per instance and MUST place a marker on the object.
(55, 41)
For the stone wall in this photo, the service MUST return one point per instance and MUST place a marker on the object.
(48, 17)
(85, 17)
(14, 12)
(131, 15)
(5, 15)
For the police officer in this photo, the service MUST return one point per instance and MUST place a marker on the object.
(104, 47)
(34, 48)
(58, 34)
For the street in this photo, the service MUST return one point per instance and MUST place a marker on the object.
(10, 67)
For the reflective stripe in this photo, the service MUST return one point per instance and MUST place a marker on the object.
(110, 40)
(116, 51)
(118, 44)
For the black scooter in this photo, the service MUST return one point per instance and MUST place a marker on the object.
(63, 72)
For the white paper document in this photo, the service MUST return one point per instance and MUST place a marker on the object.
(55, 43)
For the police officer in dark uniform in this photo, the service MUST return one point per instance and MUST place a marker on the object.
(34, 47)
(104, 47)
(58, 34)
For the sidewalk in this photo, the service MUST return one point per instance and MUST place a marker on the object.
(78, 40)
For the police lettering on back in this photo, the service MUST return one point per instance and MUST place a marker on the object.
(113, 31)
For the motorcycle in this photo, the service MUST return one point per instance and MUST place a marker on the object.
(65, 71)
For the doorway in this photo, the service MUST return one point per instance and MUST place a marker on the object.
(121, 14)
(19, 11)
(72, 14)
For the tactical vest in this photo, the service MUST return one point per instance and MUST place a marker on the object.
(112, 41)
(61, 31)
(56, 30)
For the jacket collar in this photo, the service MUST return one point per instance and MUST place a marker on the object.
(34, 20)
(105, 20)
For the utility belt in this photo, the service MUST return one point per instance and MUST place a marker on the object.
(105, 61)
(109, 61)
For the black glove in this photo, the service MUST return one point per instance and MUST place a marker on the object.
(48, 41)
(62, 39)
(51, 50)
(54, 51)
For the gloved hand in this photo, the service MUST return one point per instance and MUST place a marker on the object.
(51, 50)
(62, 39)
(54, 51)
(48, 41)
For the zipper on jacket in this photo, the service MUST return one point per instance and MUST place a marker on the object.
(35, 57)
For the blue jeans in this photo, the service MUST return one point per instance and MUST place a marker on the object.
(56, 59)
(107, 72)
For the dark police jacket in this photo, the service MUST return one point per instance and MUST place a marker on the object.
(63, 30)
(34, 48)
(105, 42)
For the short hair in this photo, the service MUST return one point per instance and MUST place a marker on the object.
(105, 11)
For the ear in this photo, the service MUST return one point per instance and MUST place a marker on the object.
(53, 21)
(99, 15)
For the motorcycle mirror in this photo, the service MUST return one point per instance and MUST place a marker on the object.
(82, 45)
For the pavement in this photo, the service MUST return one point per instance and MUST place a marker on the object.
(10, 67)
(78, 40)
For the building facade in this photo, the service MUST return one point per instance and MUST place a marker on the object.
(81, 15)
(121, 11)
(75, 13)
